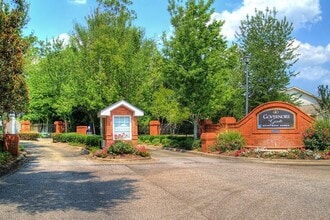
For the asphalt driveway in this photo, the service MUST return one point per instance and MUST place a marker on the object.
(60, 182)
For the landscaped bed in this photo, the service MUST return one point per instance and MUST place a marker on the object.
(121, 150)
(302, 154)
(316, 141)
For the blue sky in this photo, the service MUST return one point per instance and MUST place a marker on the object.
(56, 18)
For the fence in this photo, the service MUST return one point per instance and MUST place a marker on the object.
(44, 129)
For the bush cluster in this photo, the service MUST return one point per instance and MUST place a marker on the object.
(183, 142)
(93, 144)
(121, 148)
(5, 157)
(74, 138)
(287, 154)
(230, 140)
(30, 136)
(318, 137)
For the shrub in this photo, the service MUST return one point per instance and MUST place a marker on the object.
(21, 148)
(56, 138)
(5, 157)
(93, 140)
(174, 141)
(197, 144)
(29, 136)
(230, 140)
(142, 151)
(166, 142)
(74, 138)
(156, 141)
(102, 152)
(186, 143)
(318, 137)
(120, 147)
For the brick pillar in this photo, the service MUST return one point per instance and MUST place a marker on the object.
(25, 126)
(58, 126)
(11, 143)
(135, 133)
(81, 129)
(154, 127)
(208, 140)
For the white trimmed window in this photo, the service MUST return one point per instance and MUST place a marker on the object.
(122, 129)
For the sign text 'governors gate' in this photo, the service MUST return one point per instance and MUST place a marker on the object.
(276, 118)
(272, 125)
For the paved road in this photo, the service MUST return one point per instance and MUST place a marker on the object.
(61, 183)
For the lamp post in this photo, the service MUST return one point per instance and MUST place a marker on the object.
(247, 61)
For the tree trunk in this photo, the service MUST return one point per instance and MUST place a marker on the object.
(65, 125)
(93, 123)
(196, 122)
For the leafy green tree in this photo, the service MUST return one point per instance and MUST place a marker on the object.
(231, 101)
(324, 101)
(165, 107)
(106, 60)
(269, 43)
(13, 89)
(195, 57)
(39, 84)
(116, 60)
(48, 82)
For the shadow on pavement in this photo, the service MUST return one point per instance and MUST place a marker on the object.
(36, 192)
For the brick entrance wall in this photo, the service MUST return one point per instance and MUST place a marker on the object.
(271, 138)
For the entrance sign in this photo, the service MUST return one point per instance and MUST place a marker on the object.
(122, 127)
(276, 119)
(272, 125)
(119, 121)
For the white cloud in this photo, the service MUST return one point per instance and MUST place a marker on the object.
(313, 63)
(63, 37)
(80, 2)
(314, 73)
(301, 13)
(313, 55)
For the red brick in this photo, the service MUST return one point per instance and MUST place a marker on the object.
(266, 138)
(154, 127)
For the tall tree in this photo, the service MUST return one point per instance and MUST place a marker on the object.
(49, 75)
(269, 43)
(324, 101)
(116, 59)
(165, 107)
(107, 59)
(194, 57)
(13, 89)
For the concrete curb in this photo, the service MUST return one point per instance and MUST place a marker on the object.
(295, 162)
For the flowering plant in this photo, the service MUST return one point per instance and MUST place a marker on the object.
(142, 151)
(121, 136)
(318, 137)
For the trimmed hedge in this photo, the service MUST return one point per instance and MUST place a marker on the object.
(74, 138)
(30, 136)
(183, 142)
